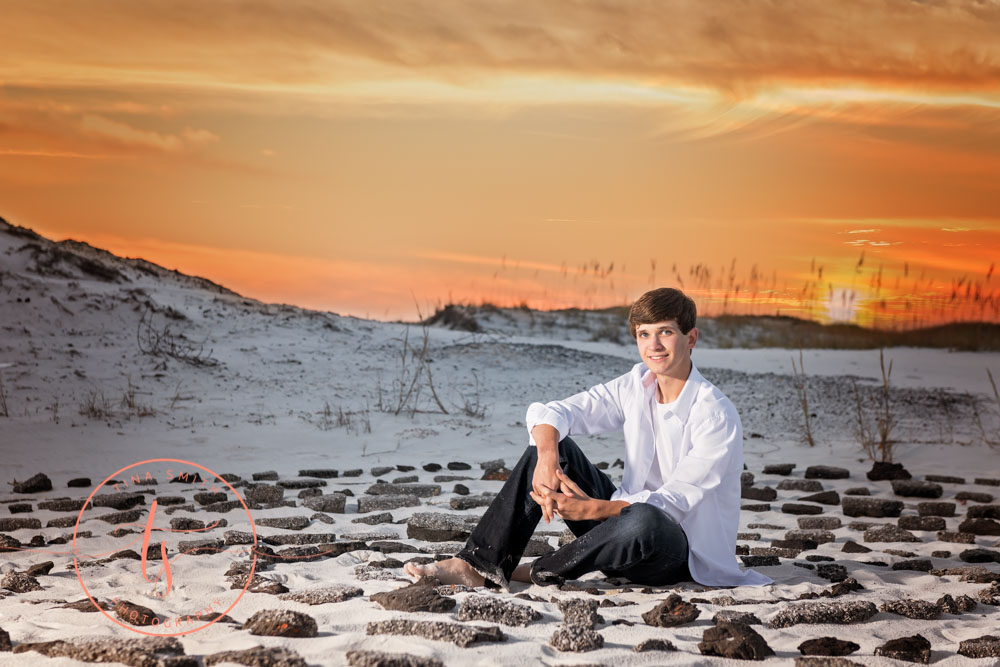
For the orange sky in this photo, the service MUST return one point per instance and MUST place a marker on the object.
(365, 157)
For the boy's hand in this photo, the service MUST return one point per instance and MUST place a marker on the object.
(570, 502)
(544, 480)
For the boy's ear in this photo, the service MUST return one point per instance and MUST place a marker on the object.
(692, 337)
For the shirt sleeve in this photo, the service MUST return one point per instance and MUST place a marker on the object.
(714, 444)
(597, 410)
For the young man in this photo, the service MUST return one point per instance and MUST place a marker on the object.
(675, 516)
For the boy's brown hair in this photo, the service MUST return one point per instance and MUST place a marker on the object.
(658, 305)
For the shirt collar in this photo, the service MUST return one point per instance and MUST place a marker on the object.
(682, 406)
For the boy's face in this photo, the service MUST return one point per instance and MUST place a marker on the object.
(664, 349)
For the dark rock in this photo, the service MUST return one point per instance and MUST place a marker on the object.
(496, 474)
(301, 483)
(298, 538)
(19, 523)
(78, 482)
(209, 497)
(496, 610)
(755, 507)
(186, 524)
(804, 485)
(470, 502)
(983, 512)
(419, 596)
(941, 553)
(735, 641)
(324, 595)
(461, 489)
(383, 659)
(795, 545)
(871, 507)
(857, 491)
(986, 481)
(817, 558)
(853, 611)
(746, 478)
(135, 614)
(62, 504)
(281, 623)
(980, 555)
(956, 537)
(930, 508)
(797, 508)
(819, 523)
(914, 488)
(889, 534)
(831, 572)
(910, 522)
(164, 501)
(37, 483)
(764, 493)
(916, 565)
(918, 609)
(442, 479)
(285, 522)
(321, 473)
(760, 561)
(817, 536)
(974, 497)
(387, 502)
(40, 569)
(828, 646)
(402, 467)
(752, 537)
(575, 638)
(883, 470)
(19, 508)
(979, 527)
(461, 635)
(374, 519)
(438, 527)
(432, 467)
(823, 498)
(258, 656)
(461, 465)
(671, 612)
(826, 472)
(266, 476)
(779, 469)
(333, 502)
(118, 501)
(852, 547)
(419, 490)
(406, 479)
(264, 493)
(945, 479)
(654, 645)
(912, 649)
(987, 646)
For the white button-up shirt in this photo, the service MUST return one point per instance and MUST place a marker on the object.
(700, 457)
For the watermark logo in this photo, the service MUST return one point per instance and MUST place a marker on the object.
(158, 595)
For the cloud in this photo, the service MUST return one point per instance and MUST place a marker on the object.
(737, 48)
(126, 134)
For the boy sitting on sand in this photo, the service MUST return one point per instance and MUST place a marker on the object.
(675, 516)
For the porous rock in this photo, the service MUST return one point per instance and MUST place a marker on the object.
(138, 652)
(383, 659)
(735, 616)
(910, 522)
(577, 611)
(826, 472)
(37, 483)
(804, 485)
(819, 522)
(918, 609)
(437, 527)
(980, 527)
(419, 490)
(323, 595)
(575, 638)
(889, 534)
(386, 502)
(883, 470)
(654, 645)
(987, 646)
(457, 633)
(841, 613)
(331, 502)
(20, 582)
(258, 656)
(913, 488)
(496, 610)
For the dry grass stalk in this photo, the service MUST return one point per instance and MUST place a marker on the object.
(160, 341)
(800, 389)
(876, 441)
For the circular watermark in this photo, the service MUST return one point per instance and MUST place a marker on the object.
(158, 577)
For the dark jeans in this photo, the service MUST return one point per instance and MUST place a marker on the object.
(641, 544)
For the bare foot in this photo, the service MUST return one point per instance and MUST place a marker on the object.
(522, 573)
(449, 571)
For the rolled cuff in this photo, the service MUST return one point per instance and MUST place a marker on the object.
(540, 413)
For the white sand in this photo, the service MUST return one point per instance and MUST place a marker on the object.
(263, 409)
